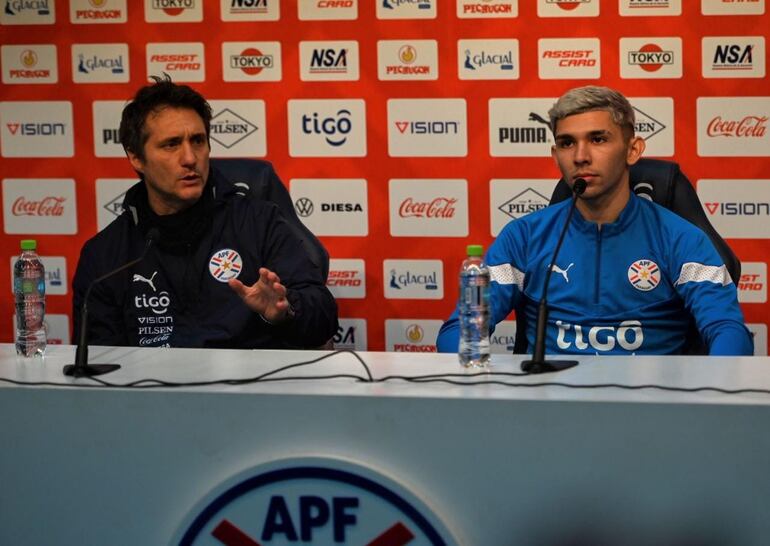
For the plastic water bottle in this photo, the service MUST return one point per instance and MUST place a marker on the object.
(474, 309)
(29, 292)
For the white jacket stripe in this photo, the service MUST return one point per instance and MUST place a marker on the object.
(507, 274)
(695, 272)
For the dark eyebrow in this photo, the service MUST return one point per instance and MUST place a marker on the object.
(598, 132)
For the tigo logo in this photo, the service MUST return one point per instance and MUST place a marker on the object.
(327, 128)
(478, 9)
(29, 64)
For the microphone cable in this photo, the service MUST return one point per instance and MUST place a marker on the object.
(469, 379)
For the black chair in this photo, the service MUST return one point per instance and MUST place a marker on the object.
(255, 178)
(663, 183)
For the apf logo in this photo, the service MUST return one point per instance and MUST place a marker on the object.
(644, 275)
(311, 501)
(225, 264)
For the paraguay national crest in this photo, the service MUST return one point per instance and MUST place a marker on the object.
(644, 275)
(225, 264)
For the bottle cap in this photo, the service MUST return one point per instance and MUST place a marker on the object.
(475, 250)
(28, 244)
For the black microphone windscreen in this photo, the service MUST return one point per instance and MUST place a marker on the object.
(579, 186)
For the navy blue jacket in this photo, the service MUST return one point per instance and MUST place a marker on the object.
(181, 299)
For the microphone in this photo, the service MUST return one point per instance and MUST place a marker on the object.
(538, 363)
(81, 367)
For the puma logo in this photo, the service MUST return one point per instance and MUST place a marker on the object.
(139, 278)
(562, 272)
(538, 118)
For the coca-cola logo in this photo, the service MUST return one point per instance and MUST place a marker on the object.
(440, 207)
(748, 127)
(47, 206)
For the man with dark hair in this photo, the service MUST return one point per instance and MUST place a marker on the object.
(225, 271)
(631, 274)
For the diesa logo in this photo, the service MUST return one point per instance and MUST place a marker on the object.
(327, 128)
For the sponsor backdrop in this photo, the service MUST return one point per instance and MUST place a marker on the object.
(404, 129)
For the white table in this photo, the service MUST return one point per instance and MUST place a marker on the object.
(497, 464)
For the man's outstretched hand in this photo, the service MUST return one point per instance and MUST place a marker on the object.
(267, 296)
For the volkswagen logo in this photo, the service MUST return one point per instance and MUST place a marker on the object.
(304, 206)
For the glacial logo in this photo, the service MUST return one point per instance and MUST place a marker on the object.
(474, 61)
(413, 279)
(27, 7)
(629, 336)
(406, 9)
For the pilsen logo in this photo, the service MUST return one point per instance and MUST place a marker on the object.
(440, 207)
(251, 61)
(173, 7)
(748, 127)
(47, 206)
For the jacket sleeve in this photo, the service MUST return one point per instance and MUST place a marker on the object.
(506, 259)
(105, 313)
(315, 312)
(703, 281)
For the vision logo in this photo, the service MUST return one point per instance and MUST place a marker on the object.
(312, 501)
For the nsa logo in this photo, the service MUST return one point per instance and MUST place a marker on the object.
(225, 264)
(228, 128)
(644, 275)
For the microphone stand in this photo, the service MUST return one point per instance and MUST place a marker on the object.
(81, 367)
(538, 363)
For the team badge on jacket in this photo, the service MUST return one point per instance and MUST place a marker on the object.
(644, 275)
(225, 264)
